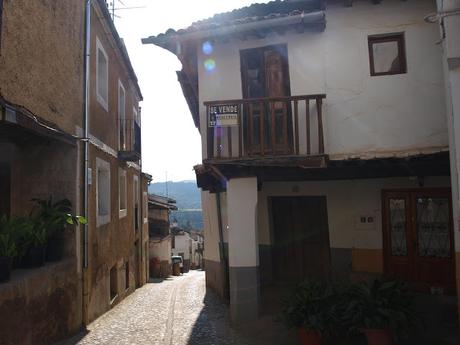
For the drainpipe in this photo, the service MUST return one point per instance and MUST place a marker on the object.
(86, 154)
(223, 258)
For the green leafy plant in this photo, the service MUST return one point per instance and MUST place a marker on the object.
(7, 244)
(54, 216)
(380, 305)
(16, 235)
(313, 307)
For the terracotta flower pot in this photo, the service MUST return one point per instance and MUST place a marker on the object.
(378, 336)
(308, 337)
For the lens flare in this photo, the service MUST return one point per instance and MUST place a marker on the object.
(207, 48)
(209, 65)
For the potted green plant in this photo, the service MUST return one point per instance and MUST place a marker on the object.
(7, 249)
(311, 310)
(34, 238)
(381, 310)
(55, 217)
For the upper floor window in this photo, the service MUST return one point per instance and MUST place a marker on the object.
(102, 191)
(102, 75)
(122, 115)
(387, 54)
(122, 192)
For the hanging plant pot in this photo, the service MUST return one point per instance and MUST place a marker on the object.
(308, 337)
(35, 257)
(5, 268)
(55, 248)
(378, 336)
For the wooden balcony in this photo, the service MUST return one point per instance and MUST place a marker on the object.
(265, 128)
(129, 140)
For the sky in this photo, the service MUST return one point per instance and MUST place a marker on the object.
(171, 144)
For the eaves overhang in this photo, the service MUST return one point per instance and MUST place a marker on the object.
(257, 28)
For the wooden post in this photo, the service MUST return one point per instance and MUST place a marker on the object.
(240, 135)
(319, 108)
(220, 132)
(273, 127)
(285, 125)
(296, 126)
(262, 128)
(307, 121)
(250, 129)
(210, 136)
(229, 141)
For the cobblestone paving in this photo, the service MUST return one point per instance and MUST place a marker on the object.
(177, 311)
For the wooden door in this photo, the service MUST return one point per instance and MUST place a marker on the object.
(5, 189)
(418, 237)
(265, 73)
(300, 238)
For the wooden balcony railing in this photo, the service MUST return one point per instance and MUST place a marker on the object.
(261, 127)
(129, 140)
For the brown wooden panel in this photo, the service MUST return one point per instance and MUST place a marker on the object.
(426, 268)
(301, 238)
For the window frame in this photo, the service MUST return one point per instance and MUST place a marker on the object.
(105, 218)
(121, 119)
(398, 37)
(122, 212)
(100, 98)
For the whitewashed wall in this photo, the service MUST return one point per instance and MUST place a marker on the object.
(160, 249)
(347, 201)
(362, 114)
(182, 245)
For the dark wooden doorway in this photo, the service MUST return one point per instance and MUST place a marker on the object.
(268, 125)
(5, 189)
(301, 238)
(418, 237)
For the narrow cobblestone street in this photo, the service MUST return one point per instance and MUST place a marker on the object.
(177, 311)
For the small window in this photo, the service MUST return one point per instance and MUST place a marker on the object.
(102, 75)
(122, 192)
(122, 116)
(387, 54)
(113, 283)
(103, 191)
(136, 202)
(127, 274)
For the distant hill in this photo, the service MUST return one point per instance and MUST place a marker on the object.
(188, 198)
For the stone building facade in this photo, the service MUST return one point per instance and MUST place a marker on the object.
(42, 154)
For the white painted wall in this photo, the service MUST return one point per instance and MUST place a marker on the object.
(346, 201)
(243, 246)
(449, 11)
(210, 227)
(160, 249)
(183, 244)
(362, 114)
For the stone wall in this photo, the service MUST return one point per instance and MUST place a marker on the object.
(36, 49)
(40, 306)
